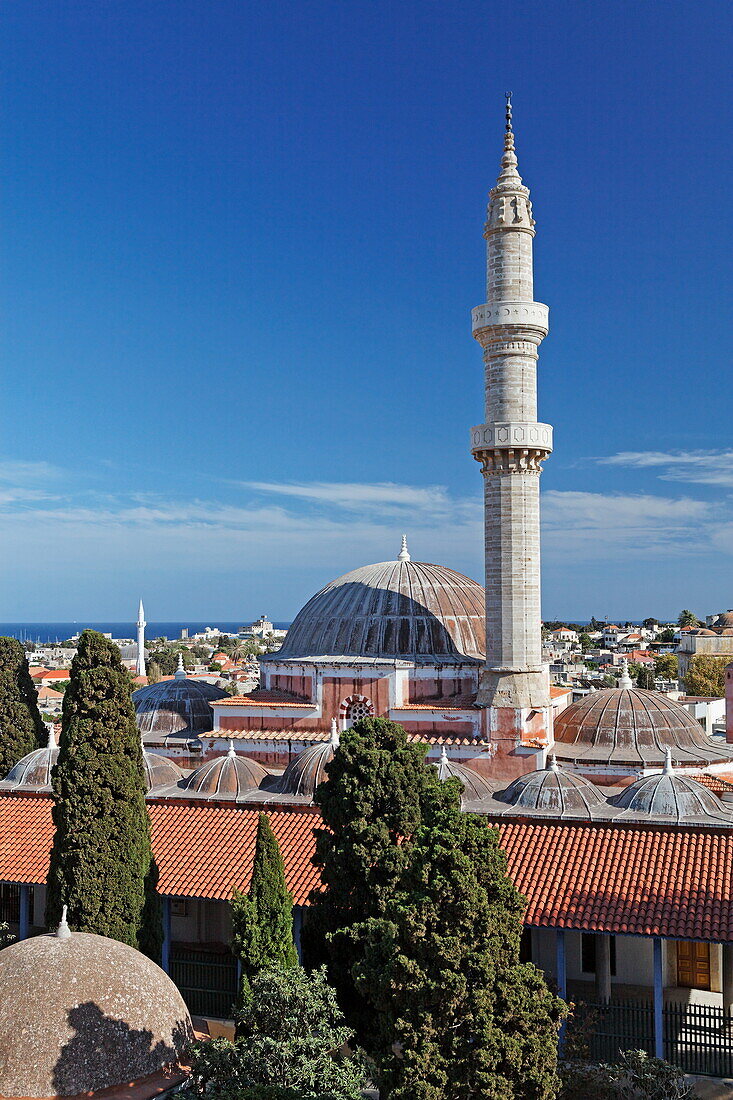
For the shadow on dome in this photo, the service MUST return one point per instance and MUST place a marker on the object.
(106, 1052)
(356, 619)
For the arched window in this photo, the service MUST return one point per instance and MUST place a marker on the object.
(354, 709)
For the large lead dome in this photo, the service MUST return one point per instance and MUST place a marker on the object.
(402, 609)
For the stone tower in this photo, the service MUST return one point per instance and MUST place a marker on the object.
(511, 447)
(141, 624)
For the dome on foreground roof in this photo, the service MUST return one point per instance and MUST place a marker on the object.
(226, 776)
(633, 727)
(672, 797)
(475, 786)
(553, 791)
(80, 1012)
(304, 773)
(179, 706)
(400, 609)
(34, 769)
(160, 771)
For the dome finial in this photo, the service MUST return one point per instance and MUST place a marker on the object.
(625, 681)
(668, 769)
(404, 554)
(63, 932)
(232, 752)
(180, 673)
(552, 764)
(334, 740)
(51, 743)
(444, 755)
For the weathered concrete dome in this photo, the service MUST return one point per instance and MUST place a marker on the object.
(553, 791)
(308, 768)
(226, 776)
(177, 707)
(33, 771)
(672, 797)
(633, 727)
(160, 771)
(83, 1013)
(475, 786)
(395, 609)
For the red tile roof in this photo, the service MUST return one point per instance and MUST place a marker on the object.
(454, 702)
(648, 880)
(714, 782)
(263, 697)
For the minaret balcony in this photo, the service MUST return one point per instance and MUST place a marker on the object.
(523, 315)
(509, 436)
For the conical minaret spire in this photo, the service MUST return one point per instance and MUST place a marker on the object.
(141, 624)
(511, 446)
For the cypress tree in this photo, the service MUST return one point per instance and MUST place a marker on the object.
(262, 921)
(21, 725)
(101, 860)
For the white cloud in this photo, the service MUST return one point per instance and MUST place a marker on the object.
(356, 496)
(693, 467)
(17, 472)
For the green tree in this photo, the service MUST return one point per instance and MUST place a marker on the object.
(650, 623)
(586, 642)
(373, 801)
(459, 1016)
(645, 678)
(154, 673)
(21, 725)
(262, 920)
(706, 675)
(289, 1034)
(666, 666)
(667, 636)
(687, 618)
(101, 860)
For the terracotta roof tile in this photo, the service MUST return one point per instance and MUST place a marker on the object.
(263, 697)
(714, 782)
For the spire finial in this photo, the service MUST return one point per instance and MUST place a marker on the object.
(404, 554)
(180, 673)
(232, 753)
(625, 681)
(508, 98)
(668, 770)
(63, 932)
(51, 744)
(552, 764)
(335, 740)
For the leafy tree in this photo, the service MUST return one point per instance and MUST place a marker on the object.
(634, 669)
(101, 861)
(166, 657)
(21, 725)
(636, 1074)
(649, 624)
(214, 667)
(667, 636)
(459, 1015)
(595, 625)
(378, 784)
(666, 666)
(687, 618)
(154, 673)
(645, 678)
(289, 1033)
(586, 642)
(262, 920)
(706, 675)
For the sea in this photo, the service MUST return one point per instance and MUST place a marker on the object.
(60, 632)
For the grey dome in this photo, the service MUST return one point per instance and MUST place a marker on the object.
(395, 609)
(228, 776)
(553, 791)
(179, 706)
(160, 771)
(304, 773)
(83, 1013)
(33, 771)
(672, 797)
(633, 727)
(475, 786)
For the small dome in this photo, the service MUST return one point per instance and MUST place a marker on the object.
(399, 609)
(475, 786)
(555, 791)
(707, 633)
(34, 770)
(81, 1012)
(724, 619)
(672, 797)
(229, 776)
(178, 707)
(308, 769)
(160, 771)
(633, 727)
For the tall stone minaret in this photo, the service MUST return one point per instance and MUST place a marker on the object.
(511, 446)
(141, 624)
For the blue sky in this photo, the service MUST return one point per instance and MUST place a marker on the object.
(240, 245)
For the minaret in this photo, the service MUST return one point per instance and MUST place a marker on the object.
(511, 447)
(141, 624)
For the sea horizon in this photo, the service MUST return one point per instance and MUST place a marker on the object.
(63, 630)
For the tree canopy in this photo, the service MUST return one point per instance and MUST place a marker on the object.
(687, 618)
(101, 860)
(21, 725)
(706, 675)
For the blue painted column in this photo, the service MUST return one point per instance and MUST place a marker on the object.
(165, 961)
(25, 911)
(658, 999)
(560, 962)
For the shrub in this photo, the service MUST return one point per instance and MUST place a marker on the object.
(636, 1076)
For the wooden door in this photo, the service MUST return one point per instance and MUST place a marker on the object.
(693, 964)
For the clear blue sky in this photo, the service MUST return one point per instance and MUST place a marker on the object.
(240, 243)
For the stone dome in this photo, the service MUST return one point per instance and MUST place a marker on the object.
(724, 619)
(400, 609)
(633, 727)
(34, 770)
(228, 776)
(81, 1012)
(178, 707)
(160, 771)
(308, 768)
(553, 791)
(671, 797)
(475, 786)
